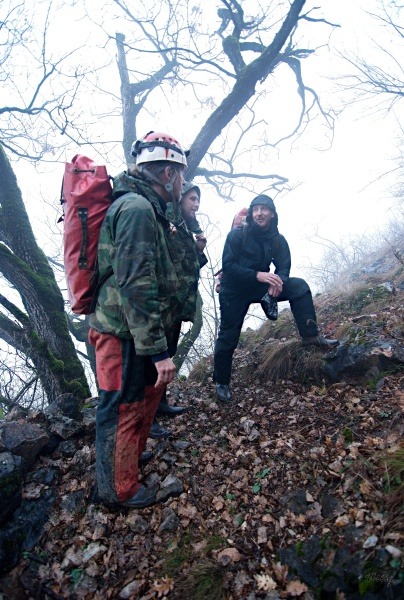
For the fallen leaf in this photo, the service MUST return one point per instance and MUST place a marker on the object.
(163, 586)
(296, 588)
(265, 582)
(262, 535)
(230, 553)
(342, 521)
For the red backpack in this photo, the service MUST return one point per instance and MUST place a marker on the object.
(240, 218)
(86, 196)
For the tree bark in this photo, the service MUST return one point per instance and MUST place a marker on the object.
(40, 330)
(190, 337)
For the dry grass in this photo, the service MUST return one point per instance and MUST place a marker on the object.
(204, 581)
(286, 360)
(393, 476)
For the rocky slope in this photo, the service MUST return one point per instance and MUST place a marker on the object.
(295, 489)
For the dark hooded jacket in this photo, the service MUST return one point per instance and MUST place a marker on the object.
(249, 249)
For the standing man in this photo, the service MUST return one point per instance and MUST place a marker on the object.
(138, 305)
(247, 255)
(189, 243)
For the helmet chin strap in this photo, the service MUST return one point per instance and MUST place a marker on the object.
(169, 187)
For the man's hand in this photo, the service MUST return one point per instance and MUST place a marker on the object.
(165, 372)
(274, 281)
(200, 241)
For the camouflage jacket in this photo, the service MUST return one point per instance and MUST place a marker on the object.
(190, 261)
(143, 296)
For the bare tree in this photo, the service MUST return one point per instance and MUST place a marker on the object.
(171, 54)
(237, 60)
(41, 99)
(381, 80)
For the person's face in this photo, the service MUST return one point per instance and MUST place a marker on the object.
(262, 215)
(178, 183)
(190, 204)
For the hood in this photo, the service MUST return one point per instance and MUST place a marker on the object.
(266, 201)
(124, 183)
(190, 185)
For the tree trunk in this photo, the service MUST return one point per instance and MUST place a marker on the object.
(40, 331)
(190, 337)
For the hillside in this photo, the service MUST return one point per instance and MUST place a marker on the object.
(295, 489)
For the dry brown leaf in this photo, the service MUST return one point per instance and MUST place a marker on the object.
(163, 586)
(365, 488)
(296, 588)
(218, 503)
(188, 511)
(280, 572)
(262, 537)
(265, 582)
(32, 491)
(342, 521)
(229, 554)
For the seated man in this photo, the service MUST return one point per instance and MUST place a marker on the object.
(247, 255)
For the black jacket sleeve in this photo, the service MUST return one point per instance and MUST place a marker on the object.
(233, 270)
(282, 259)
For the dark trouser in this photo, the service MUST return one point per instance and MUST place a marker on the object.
(233, 309)
(128, 402)
(172, 349)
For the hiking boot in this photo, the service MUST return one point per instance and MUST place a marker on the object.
(165, 410)
(157, 431)
(223, 392)
(320, 342)
(143, 497)
(145, 458)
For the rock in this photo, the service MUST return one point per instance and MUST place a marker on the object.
(67, 448)
(169, 521)
(353, 362)
(65, 405)
(10, 486)
(331, 506)
(181, 444)
(85, 585)
(370, 542)
(24, 439)
(396, 552)
(54, 441)
(303, 560)
(92, 550)
(253, 435)
(246, 425)
(171, 486)
(137, 523)
(16, 414)
(73, 503)
(132, 590)
(65, 427)
(296, 502)
(45, 475)
(24, 529)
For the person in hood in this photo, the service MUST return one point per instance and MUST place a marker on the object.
(248, 254)
(189, 244)
(139, 303)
